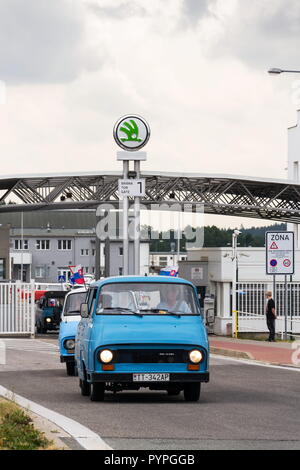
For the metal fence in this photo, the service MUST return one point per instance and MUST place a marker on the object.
(251, 305)
(17, 308)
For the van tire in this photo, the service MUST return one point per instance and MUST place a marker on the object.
(85, 388)
(192, 391)
(98, 390)
(70, 366)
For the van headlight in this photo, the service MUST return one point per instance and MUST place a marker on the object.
(106, 356)
(196, 356)
(70, 344)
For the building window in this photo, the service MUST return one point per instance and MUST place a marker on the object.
(120, 271)
(93, 252)
(43, 244)
(18, 244)
(163, 261)
(2, 269)
(64, 272)
(120, 250)
(84, 252)
(93, 270)
(64, 244)
(39, 272)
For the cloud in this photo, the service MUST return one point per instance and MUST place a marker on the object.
(259, 33)
(117, 11)
(43, 41)
(195, 10)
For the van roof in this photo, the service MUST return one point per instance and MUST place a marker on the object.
(148, 279)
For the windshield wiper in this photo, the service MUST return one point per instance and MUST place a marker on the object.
(73, 311)
(157, 310)
(124, 309)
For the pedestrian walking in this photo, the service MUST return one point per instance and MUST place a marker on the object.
(271, 316)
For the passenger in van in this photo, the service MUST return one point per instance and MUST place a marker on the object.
(172, 301)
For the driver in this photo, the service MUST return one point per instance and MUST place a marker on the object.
(171, 301)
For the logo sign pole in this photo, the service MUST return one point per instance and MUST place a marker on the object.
(131, 133)
(280, 259)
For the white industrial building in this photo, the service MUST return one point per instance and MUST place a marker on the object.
(293, 166)
(211, 270)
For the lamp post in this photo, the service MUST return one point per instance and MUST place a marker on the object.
(277, 71)
(235, 325)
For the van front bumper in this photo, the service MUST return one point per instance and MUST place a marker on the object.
(128, 378)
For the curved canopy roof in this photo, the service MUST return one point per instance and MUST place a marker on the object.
(233, 195)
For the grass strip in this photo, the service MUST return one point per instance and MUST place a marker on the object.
(17, 431)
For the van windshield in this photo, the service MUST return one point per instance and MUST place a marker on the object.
(73, 303)
(149, 298)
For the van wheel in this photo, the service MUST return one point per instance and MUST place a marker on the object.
(70, 368)
(98, 390)
(85, 388)
(192, 391)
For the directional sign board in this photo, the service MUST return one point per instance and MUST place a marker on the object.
(280, 254)
(132, 187)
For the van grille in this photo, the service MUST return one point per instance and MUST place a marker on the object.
(155, 356)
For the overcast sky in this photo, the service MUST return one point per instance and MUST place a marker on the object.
(195, 69)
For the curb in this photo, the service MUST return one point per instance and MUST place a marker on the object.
(231, 353)
(88, 439)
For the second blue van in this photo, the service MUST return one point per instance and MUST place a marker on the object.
(70, 318)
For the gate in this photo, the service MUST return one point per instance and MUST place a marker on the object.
(17, 308)
(251, 305)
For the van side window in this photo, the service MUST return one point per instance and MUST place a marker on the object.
(91, 300)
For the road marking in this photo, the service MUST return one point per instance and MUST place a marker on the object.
(30, 345)
(255, 363)
(88, 439)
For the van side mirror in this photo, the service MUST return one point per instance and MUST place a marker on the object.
(84, 312)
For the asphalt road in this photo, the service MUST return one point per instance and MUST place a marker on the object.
(243, 407)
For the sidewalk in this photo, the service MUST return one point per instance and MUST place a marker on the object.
(274, 353)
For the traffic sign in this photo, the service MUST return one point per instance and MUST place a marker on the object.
(61, 278)
(280, 253)
(131, 132)
(132, 187)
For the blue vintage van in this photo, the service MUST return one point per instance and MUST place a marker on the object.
(70, 318)
(142, 332)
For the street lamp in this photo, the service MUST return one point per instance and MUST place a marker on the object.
(235, 235)
(276, 71)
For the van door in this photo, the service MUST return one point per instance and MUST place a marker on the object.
(86, 327)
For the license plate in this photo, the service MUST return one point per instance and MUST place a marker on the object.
(151, 377)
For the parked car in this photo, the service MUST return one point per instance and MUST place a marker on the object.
(142, 332)
(48, 311)
(70, 318)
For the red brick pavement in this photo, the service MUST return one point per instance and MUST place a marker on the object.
(275, 353)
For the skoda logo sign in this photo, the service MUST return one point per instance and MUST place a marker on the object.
(131, 132)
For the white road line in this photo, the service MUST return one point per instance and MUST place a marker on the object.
(254, 363)
(30, 345)
(88, 439)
